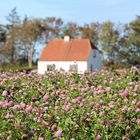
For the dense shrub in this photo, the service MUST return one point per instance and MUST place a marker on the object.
(69, 106)
(16, 68)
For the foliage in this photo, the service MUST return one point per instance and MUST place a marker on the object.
(134, 39)
(12, 35)
(71, 29)
(91, 31)
(15, 68)
(99, 106)
(29, 36)
(109, 41)
(52, 28)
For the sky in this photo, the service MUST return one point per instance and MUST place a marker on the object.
(79, 11)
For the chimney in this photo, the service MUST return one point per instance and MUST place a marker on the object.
(66, 38)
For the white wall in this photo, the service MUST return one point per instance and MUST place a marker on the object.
(42, 65)
(95, 61)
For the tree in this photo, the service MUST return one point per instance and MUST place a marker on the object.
(123, 54)
(29, 36)
(3, 37)
(52, 28)
(134, 38)
(2, 34)
(90, 31)
(12, 35)
(71, 29)
(129, 51)
(109, 38)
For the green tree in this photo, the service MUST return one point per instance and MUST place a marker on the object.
(12, 35)
(90, 31)
(134, 38)
(123, 55)
(71, 29)
(109, 39)
(129, 52)
(29, 36)
(2, 34)
(52, 28)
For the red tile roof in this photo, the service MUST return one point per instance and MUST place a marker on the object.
(59, 50)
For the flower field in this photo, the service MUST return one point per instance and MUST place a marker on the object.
(97, 106)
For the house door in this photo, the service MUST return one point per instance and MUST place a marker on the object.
(91, 68)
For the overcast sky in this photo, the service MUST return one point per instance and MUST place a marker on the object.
(80, 11)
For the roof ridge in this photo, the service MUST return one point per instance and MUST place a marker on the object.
(67, 50)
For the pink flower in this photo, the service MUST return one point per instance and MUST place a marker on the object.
(56, 107)
(10, 103)
(67, 108)
(98, 137)
(4, 93)
(74, 101)
(97, 105)
(137, 110)
(45, 108)
(138, 121)
(102, 122)
(58, 133)
(22, 104)
(101, 91)
(53, 127)
(83, 90)
(104, 81)
(108, 89)
(104, 107)
(46, 96)
(2, 102)
(119, 100)
(125, 93)
(133, 102)
(129, 109)
(9, 116)
(128, 128)
(79, 98)
(91, 103)
(124, 138)
(81, 104)
(28, 109)
(138, 104)
(136, 88)
(112, 121)
(39, 90)
(100, 87)
(101, 113)
(16, 107)
(95, 92)
(125, 108)
(40, 138)
(135, 94)
(5, 105)
(111, 103)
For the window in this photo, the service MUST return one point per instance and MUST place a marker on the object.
(73, 67)
(91, 68)
(51, 67)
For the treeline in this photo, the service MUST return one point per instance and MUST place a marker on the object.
(119, 43)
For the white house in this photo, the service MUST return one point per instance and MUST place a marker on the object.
(69, 55)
